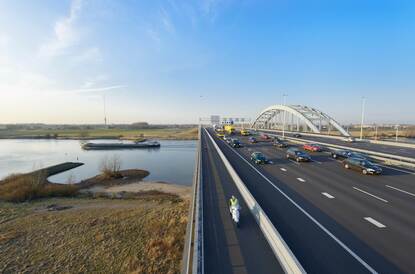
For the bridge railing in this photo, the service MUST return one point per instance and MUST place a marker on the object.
(192, 261)
(383, 157)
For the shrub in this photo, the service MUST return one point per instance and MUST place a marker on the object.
(26, 187)
(110, 167)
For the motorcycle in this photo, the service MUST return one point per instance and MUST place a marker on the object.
(234, 211)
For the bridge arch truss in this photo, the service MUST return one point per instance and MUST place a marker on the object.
(297, 118)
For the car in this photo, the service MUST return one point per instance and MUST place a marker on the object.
(340, 154)
(252, 140)
(235, 143)
(349, 139)
(227, 139)
(279, 143)
(259, 158)
(245, 132)
(298, 155)
(364, 166)
(264, 136)
(344, 154)
(297, 135)
(359, 155)
(312, 147)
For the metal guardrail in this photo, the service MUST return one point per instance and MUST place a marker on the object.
(385, 157)
(192, 261)
(282, 252)
(380, 142)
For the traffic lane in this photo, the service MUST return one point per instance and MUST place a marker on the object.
(346, 181)
(399, 151)
(333, 172)
(398, 177)
(397, 242)
(227, 248)
(317, 250)
(396, 183)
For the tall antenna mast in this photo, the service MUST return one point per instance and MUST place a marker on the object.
(105, 110)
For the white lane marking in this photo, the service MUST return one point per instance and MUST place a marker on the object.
(327, 195)
(331, 235)
(374, 196)
(397, 169)
(374, 222)
(283, 169)
(301, 180)
(297, 163)
(401, 190)
(316, 161)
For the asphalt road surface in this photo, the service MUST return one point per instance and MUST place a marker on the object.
(344, 222)
(228, 249)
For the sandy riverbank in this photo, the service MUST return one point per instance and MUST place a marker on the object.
(137, 187)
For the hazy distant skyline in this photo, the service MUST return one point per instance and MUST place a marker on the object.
(175, 61)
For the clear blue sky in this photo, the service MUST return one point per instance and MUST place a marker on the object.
(173, 61)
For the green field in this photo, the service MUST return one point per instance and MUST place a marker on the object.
(162, 133)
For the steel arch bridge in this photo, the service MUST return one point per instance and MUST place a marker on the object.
(297, 118)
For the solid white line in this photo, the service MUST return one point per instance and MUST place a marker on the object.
(301, 180)
(374, 222)
(327, 195)
(294, 162)
(283, 169)
(374, 196)
(397, 169)
(316, 161)
(401, 190)
(338, 241)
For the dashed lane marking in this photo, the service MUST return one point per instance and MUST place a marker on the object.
(367, 193)
(327, 195)
(401, 190)
(374, 222)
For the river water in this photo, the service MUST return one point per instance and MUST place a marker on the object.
(173, 162)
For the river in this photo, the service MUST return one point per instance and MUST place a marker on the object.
(172, 162)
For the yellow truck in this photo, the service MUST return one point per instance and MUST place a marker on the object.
(229, 129)
(245, 132)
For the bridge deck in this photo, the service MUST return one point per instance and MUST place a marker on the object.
(366, 246)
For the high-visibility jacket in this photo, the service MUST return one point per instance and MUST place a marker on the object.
(233, 202)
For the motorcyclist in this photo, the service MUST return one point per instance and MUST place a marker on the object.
(233, 202)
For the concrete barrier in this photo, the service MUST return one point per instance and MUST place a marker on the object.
(192, 260)
(281, 250)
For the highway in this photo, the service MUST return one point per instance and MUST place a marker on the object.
(228, 249)
(333, 219)
(399, 151)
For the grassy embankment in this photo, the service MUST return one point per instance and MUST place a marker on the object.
(142, 235)
(163, 133)
(384, 133)
(136, 232)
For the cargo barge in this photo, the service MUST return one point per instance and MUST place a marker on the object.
(108, 146)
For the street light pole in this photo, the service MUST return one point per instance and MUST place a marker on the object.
(397, 132)
(283, 122)
(363, 117)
